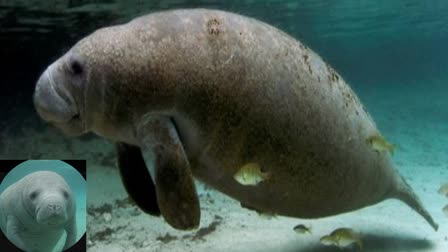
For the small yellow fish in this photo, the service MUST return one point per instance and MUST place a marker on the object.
(445, 210)
(380, 144)
(342, 237)
(250, 175)
(302, 229)
(443, 189)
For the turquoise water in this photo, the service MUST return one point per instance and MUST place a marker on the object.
(73, 178)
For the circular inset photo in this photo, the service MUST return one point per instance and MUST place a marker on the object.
(43, 205)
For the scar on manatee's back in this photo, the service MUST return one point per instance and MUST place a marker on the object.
(307, 62)
(332, 75)
(213, 26)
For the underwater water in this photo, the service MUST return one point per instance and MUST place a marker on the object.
(73, 178)
(392, 53)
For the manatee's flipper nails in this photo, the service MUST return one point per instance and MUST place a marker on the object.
(405, 193)
(136, 178)
(176, 191)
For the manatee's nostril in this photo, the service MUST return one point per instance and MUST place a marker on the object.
(54, 207)
(76, 67)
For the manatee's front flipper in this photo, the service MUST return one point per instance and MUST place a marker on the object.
(136, 178)
(70, 230)
(13, 230)
(164, 154)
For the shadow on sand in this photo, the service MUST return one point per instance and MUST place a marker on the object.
(374, 242)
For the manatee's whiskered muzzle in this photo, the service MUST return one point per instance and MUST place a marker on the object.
(55, 207)
(52, 211)
(51, 104)
(54, 100)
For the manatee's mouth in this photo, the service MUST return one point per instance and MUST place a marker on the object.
(55, 104)
(50, 213)
(54, 222)
(66, 98)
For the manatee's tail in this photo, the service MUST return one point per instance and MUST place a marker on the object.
(405, 193)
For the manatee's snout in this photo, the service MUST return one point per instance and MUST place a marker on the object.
(57, 97)
(52, 211)
(52, 104)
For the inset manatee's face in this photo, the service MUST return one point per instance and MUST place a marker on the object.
(59, 94)
(49, 204)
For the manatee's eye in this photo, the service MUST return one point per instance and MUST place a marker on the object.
(65, 193)
(33, 195)
(76, 67)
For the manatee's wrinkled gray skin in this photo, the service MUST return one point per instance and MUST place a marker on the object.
(36, 210)
(204, 92)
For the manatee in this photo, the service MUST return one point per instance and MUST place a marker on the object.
(199, 93)
(36, 211)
